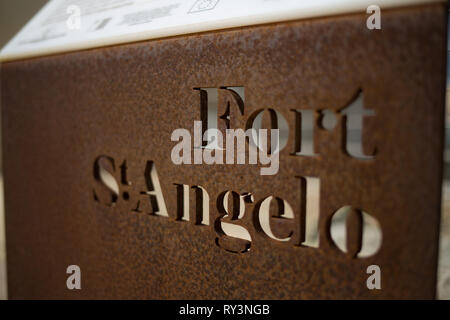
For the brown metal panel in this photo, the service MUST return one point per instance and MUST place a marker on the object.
(61, 112)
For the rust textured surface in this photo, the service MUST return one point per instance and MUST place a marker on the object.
(61, 112)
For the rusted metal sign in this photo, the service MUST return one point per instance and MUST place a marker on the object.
(100, 171)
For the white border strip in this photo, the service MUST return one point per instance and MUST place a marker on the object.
(224, 14)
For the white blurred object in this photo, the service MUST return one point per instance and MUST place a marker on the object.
(107, 22)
